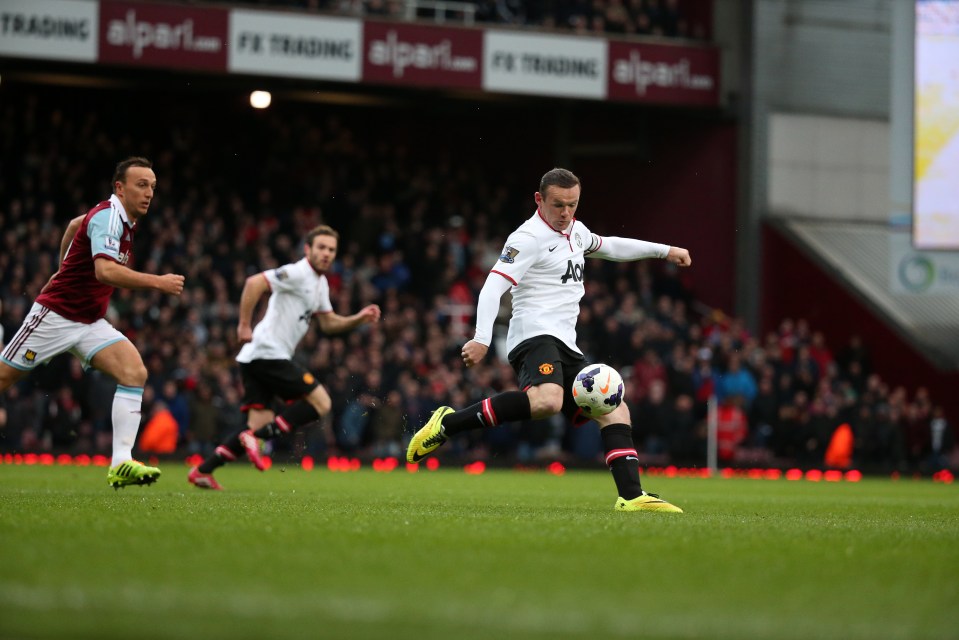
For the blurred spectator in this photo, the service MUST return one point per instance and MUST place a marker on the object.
(386, 428)
(736, 381)
(937, 448)
(160, 433)
(763, 413)
(646, 372)
(731, 428)
(651, 417)
(855, 354)
(202, 434)
(686, 433)
(178, 406)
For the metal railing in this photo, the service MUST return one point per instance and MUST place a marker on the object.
(442, 10)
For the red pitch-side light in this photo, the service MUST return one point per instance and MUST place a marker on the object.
(475, 468)
(832, 475)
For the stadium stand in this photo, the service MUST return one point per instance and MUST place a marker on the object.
(657, 18)
(420, 226)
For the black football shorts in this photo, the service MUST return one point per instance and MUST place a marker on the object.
(264, 380)
(542, 359)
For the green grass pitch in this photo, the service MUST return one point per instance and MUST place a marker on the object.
(444, 554)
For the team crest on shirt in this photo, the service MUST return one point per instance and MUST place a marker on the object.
(546, 368)
(579, 241)
(509, 255)
(30, 356)
(281, 274)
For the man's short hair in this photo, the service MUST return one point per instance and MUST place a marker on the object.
(562, 178)
(321, 230)
(120, 174)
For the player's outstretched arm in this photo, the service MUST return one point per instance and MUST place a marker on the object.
(117, 275)
(335, 323)
(618, 249)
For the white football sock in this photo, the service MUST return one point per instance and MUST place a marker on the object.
(126, 422)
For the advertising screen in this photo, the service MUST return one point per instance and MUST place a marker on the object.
(935, 213)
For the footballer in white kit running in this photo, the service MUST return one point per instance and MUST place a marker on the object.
(300, 292)
(543, 263)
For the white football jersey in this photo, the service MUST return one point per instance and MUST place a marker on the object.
(545, 267)
(299, 292)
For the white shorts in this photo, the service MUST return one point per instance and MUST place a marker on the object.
(45, 334)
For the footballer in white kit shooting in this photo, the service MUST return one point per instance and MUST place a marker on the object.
(543, 263)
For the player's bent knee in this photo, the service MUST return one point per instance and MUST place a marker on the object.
(131, 374)
(324, 406)
(136, 374)
(122, 362)
(319, 399)
(545, 401)
(619, 415)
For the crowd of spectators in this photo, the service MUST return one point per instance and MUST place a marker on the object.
(419, 235)
(659, 18)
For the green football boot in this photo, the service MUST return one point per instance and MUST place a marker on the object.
(646, 502)
(131, 472)
(429, 438)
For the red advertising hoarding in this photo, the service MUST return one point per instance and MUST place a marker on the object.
(163, 35)
(422, 55)
(664, 74)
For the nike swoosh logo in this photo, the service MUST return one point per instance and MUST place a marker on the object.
(603, 390)
(551, 248)
(417, 457)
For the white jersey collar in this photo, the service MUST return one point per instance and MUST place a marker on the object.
(565, 234)
(115, 201)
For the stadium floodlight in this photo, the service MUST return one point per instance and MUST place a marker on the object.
(260, 99)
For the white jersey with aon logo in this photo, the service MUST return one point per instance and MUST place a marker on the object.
(299, 292)
(545, 268)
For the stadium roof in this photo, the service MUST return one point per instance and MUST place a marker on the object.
(858, 254)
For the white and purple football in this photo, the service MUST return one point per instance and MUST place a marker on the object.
(598, 389)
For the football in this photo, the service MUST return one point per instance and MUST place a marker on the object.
(598, 389)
